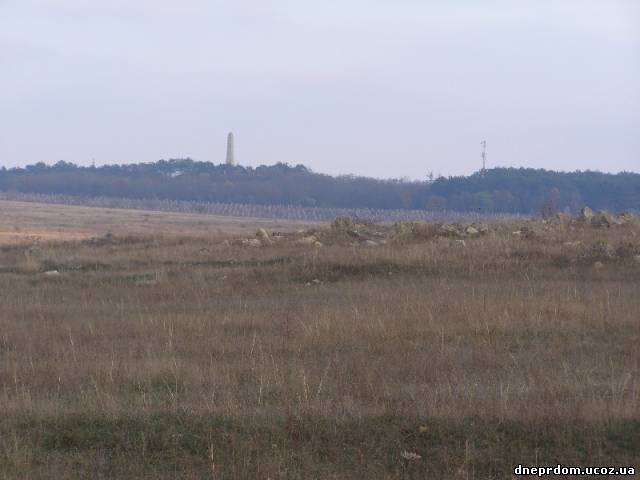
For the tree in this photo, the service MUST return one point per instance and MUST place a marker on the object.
(436, 203)
(551, 205)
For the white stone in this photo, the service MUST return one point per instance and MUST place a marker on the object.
(310, 240)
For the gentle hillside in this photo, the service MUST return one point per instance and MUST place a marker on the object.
(500, 190)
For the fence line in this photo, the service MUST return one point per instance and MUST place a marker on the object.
(282, 212)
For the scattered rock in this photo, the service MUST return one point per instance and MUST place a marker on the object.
(624, 217)
(52, 273)
(573, 244)
(460, 243)
(598, 265)
(586, 213)
(412, 456)
(355, 234)
(603, 219)
(251, 242)
(310, 240)
(448, 230)
(263, 237)
(316, 281)
(637, 259)
(349, 231)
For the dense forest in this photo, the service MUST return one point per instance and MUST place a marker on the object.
(499, 190)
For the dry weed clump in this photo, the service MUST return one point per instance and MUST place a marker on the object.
(419, 357)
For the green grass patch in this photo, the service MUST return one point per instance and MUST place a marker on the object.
(315, 447)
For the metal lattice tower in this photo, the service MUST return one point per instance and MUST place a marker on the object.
(483, 154)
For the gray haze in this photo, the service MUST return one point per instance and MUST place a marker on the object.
(385, 88)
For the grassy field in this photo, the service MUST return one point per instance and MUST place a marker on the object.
(169, 351)
(22, 222)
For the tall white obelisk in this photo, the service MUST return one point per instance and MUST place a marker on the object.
(230, 155)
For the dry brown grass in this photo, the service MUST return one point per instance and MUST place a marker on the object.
(26, 222)
(185, 357)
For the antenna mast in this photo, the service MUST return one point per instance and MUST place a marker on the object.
(483, 154)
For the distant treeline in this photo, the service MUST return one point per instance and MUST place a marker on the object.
(499, 190)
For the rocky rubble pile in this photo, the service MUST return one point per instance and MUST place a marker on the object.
(603, 218)
(352, 232)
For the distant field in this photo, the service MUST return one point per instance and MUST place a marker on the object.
(27, 221)
(252, 211)
(172, 349)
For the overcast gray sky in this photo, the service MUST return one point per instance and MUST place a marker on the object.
(384, 88)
